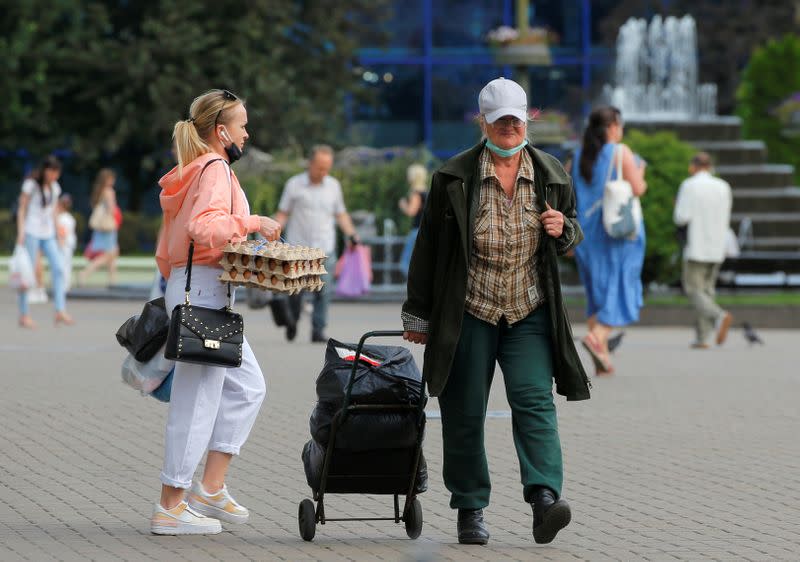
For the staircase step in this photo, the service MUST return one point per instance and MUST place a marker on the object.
(719, 128)
(757, 175)
(765, 200)
(776, 243)
(733, 152)
(767, 225)
(764, 262)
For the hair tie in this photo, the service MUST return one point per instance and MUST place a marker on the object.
(190, 120)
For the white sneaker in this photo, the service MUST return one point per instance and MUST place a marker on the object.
(182, 520)
(219, 505)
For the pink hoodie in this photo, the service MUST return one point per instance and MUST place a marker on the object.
(201, 211)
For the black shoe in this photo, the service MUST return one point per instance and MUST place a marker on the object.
(471, 527)
(319, 337)
(291, 331)
(549, 515)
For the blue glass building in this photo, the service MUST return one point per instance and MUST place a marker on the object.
(427, 79)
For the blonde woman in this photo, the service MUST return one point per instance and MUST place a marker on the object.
(103, 249)
(412, 206)
(212, 409)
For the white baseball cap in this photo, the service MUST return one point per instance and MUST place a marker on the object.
(503, 97)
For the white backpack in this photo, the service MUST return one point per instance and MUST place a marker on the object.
(622, 211)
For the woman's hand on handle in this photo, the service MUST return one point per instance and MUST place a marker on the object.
(270, 229)
(553, 221)
(415, 337)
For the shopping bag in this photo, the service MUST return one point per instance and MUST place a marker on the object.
(20, 270)
(144, 334)
(622, 210)
(164, 392)
(102, 218)
(146, 376)
(354, 272)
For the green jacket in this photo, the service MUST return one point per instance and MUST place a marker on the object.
(437, 280)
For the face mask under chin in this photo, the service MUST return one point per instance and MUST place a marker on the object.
(233, 152)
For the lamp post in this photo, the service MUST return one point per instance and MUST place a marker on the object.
(523, 76)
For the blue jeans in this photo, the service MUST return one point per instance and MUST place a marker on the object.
(320, 300)
(408, 248)
(49, 248)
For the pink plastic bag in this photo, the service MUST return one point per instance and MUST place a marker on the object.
(354, 272)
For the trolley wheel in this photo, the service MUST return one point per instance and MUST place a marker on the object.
(307, 520)
(413, 520)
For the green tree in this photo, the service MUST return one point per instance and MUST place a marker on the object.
(770, 78)
(108, 79)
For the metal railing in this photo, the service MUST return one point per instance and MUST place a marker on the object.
(386, 271)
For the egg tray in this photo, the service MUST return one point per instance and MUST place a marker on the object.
(289, 269)
(276, 250)
(260, 280)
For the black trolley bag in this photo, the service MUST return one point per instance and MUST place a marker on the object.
(367, 431)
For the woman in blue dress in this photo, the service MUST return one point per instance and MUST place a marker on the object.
(610, 268)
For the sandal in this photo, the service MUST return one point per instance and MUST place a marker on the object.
(592, 346)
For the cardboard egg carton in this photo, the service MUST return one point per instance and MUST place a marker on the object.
(274, 259)
(264, 281)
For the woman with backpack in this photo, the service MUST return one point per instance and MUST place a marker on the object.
(610, 268)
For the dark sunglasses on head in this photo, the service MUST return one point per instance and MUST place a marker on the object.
(227, 96)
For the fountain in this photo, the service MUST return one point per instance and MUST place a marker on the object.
(656, 72)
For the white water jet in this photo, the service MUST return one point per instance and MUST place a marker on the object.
(656, 72)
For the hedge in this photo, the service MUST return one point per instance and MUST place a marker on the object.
(769, 99)
(667, 160)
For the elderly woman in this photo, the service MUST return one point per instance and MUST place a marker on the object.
(484, 288)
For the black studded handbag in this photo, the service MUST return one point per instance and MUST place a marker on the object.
(206, 336)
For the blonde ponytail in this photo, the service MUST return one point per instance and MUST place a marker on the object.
(188, 144)
(191, 136)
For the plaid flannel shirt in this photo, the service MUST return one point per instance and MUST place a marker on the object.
(503, 278)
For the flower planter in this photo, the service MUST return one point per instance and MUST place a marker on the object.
(527, 55)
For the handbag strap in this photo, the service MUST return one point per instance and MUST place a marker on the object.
(191, 242)
(611, 164)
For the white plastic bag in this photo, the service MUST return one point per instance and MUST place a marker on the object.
(147, 376)
(20, 270)
(622, 211)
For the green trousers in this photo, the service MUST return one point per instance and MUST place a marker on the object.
(524, 354)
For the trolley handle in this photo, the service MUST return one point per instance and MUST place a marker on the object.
(365, 337)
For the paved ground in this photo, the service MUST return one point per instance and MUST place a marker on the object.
(682, 455)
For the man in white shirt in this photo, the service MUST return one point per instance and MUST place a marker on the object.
(704, 207)
(310, 207)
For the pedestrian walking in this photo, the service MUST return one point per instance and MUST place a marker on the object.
(484, 288)
(704, 207)
(610, 268)
(103, 249)
(412, 205)
(212, 409)
(36, 230)
(311, 206)
(66, 235)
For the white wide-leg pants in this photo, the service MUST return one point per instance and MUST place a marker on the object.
(211, 408)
